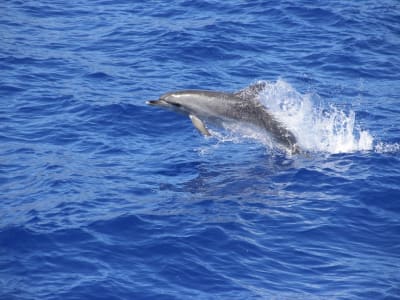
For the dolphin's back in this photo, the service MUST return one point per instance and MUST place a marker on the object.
(207, 104)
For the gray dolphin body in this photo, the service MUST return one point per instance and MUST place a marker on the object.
(216, 107)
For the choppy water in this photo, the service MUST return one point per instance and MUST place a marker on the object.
(103, 197)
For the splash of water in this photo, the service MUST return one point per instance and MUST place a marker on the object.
(317, 128)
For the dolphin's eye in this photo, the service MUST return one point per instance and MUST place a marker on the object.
(176, 104)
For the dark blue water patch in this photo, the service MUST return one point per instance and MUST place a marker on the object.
(99, 76)
(9, 89)
(373, 195)
(46, 10)
(314, 15)
(153, 253)
(121, 120)
(27, 240)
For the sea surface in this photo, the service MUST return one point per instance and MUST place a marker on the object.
(105, 197)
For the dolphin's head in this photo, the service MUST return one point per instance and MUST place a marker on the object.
(200, 103)
(176, 101)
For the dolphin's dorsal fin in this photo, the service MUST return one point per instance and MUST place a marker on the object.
(199, 125)
(251, 91)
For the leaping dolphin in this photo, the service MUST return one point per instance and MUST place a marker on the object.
(215, 107)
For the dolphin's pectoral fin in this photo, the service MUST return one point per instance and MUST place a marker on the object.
(199, 125)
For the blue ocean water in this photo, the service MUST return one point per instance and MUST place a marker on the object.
(103, 197)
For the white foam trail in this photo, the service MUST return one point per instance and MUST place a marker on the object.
(387, 148)
(328, 129)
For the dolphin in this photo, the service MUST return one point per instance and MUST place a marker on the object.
(213, 107)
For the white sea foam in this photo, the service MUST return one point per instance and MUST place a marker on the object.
(317, 128)
(387, 148)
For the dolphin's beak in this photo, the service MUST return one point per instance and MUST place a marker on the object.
(159, 102)
(153, 102)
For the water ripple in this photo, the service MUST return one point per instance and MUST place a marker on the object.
(106, 198)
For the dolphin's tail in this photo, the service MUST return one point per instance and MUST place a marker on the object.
(279, 132)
